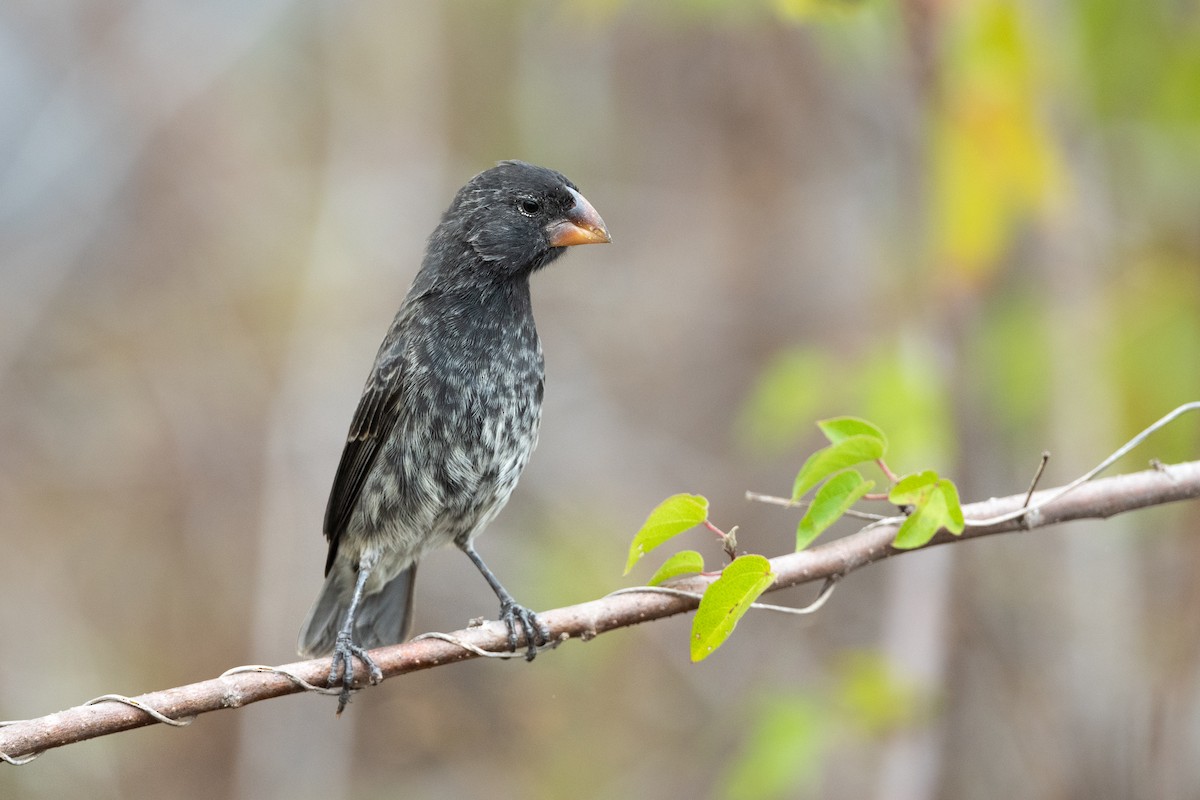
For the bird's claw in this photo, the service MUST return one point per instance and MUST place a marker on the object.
(536, 634)
(341, 670)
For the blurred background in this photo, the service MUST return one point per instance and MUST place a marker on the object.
(975, 222)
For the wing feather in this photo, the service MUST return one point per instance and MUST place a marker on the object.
(378, 410)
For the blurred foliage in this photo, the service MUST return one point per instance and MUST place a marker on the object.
(724, 12)
(993, 162)
(793, 734)
(898, 386)
(873, 698)
(1154, 351)
(781, 756)
(1010, 346)
(903, 390)
(786, 397)
(1140, 62)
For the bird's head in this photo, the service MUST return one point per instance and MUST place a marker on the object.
(517, 217)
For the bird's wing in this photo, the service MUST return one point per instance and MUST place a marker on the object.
(378, 410)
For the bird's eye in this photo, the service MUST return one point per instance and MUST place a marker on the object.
(529, 206)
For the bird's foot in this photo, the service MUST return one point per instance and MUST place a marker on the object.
(342, 668)
(536, 634)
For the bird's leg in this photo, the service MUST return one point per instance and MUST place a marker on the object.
(512, 613)
(345, 650)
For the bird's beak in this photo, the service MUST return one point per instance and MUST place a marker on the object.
(582, 225)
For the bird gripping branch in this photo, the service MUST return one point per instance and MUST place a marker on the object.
(448, 416)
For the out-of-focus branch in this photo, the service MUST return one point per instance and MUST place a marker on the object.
(1099, 499)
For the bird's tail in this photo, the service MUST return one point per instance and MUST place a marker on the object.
(383, 617)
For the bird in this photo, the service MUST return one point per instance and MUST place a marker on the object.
(448, 417)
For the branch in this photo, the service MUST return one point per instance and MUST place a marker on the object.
(1101, 499)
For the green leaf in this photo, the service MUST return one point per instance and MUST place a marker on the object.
(682, 563)
(913, 490)
(836, 457)
(833, 499)
(954, 513)
(935, 505)
(917, 530)
(673, 516)
(726, 600)
(840, 428)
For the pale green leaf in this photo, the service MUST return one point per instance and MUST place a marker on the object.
(682, 563)
(672, 517)
(918, 529)
(935, 505)
(913, 490)
(840, 428)
(954, 513)
(726, 600)
(835, 458)
(833, 499)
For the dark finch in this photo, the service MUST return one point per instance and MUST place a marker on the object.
(449, 414)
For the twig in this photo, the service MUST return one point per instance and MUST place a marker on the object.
(1099, 499)
(1025, 506)
(1037, 476)
(788, 503)
(1050, 497)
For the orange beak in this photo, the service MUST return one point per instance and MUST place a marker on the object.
(582, 225)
